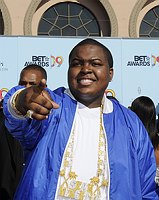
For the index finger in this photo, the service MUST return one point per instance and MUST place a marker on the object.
(40, 87)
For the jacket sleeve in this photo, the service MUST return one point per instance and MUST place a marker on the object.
(23, 129)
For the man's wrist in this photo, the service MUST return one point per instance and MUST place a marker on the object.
(13, 102)
(12, 105)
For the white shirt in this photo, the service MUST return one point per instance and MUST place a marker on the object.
(85, 151)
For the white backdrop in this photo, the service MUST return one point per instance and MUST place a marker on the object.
(136, 63)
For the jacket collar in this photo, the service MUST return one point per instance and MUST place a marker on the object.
(108, 105)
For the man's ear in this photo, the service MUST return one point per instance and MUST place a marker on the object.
(111, 73)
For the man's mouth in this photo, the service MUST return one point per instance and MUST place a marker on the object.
(85, 81)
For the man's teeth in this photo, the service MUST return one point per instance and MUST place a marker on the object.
(86, 81)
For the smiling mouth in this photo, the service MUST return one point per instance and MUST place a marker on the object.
(85, 81)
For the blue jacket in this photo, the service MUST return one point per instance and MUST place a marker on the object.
(131, 156)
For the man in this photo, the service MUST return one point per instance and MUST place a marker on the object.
(11, 153)
(82, 145)
(32, 75)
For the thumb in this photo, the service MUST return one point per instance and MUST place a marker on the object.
(54, 104)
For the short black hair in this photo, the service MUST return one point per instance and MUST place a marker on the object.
(35, 67)
(94, 42)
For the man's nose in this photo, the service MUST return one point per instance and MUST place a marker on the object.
(86, 67)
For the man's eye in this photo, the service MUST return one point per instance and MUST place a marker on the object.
(96, 64)
(22, 83)
(32, 83)
(75, 63)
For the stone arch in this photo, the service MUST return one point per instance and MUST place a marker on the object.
(6, 18)
(29, 16)
(112, 17)
(34, 4)
(143, 12)
(134, 17)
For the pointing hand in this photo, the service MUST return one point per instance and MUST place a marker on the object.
(37, 100)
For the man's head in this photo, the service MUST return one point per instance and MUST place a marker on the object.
(32, 75)
(94, 42)
(90, 71)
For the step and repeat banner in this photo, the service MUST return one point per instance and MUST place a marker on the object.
(136, 64)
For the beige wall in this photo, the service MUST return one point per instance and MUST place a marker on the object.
(21, 17)
(123, 9)
(17, 10)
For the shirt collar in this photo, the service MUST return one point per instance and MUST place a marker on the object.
(107, 107)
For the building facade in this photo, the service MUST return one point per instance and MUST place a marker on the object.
(103, 18)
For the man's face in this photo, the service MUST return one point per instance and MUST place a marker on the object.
(89, 74)
(30, 77)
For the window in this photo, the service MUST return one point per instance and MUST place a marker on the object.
(1, 24)
(68, 19)
(150, 24)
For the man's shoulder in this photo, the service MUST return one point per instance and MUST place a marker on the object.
(59, 91)
(124, 112)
